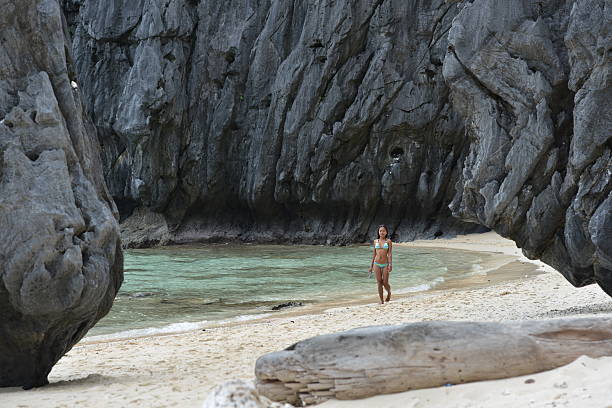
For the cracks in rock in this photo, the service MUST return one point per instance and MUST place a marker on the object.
(387, 84)
(183, 149)
(291, 95)
(280, 24)
(433, 42)
(362, 42)
(498, 99)
(375, 7)
(436, 23)
(121, 39)
(415, 108)
(125, 39)
(341, 109)
(441, 36)
(368, 127)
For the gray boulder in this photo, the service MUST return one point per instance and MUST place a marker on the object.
(532, 80)
(60, 255)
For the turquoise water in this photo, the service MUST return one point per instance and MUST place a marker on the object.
(175, 285)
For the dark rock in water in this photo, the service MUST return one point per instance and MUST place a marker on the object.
(211, 301)
(142, 294)
(533, 82)
(272, 121)
(287, 304)
(60, 255)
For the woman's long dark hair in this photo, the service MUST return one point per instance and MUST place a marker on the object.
(386, 229)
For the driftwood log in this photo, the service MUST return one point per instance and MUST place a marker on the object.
(368, 361)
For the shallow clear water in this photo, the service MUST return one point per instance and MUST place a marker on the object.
(194, 283)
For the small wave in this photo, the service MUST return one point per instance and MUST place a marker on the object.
(172, 328)
(136, 295)
(422, 287)
(476, 267)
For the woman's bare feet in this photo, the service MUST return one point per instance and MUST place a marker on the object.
(388, 299)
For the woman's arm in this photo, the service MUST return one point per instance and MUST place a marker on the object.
(389, 256)
(373, 257)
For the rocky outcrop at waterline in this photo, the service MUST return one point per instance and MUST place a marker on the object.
(533, 82)
(60, 255)
(299, 121)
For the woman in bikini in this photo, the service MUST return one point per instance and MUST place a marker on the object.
(382, 262)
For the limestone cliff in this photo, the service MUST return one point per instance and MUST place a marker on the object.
(305, 120)
(60, 257)
(272, 120)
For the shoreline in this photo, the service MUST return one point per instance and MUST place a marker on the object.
(499, 269)
(181, 369)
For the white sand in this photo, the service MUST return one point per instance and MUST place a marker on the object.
(180, 369)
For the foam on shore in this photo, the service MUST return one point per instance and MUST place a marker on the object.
(173, 328)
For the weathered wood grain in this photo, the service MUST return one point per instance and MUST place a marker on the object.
(377, 360)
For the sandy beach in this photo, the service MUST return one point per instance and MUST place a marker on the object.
(180, 369)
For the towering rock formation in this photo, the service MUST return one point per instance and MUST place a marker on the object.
(272, 120)
(303, 119)
(533, 81)
(60, 255)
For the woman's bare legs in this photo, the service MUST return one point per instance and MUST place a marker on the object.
(379, 278)
(385, 283)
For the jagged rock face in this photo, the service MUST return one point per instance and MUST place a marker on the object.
(272, 120)
(302, 120)
(532, 80)
(60, 255)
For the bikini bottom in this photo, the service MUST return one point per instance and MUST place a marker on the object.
(380, 265)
